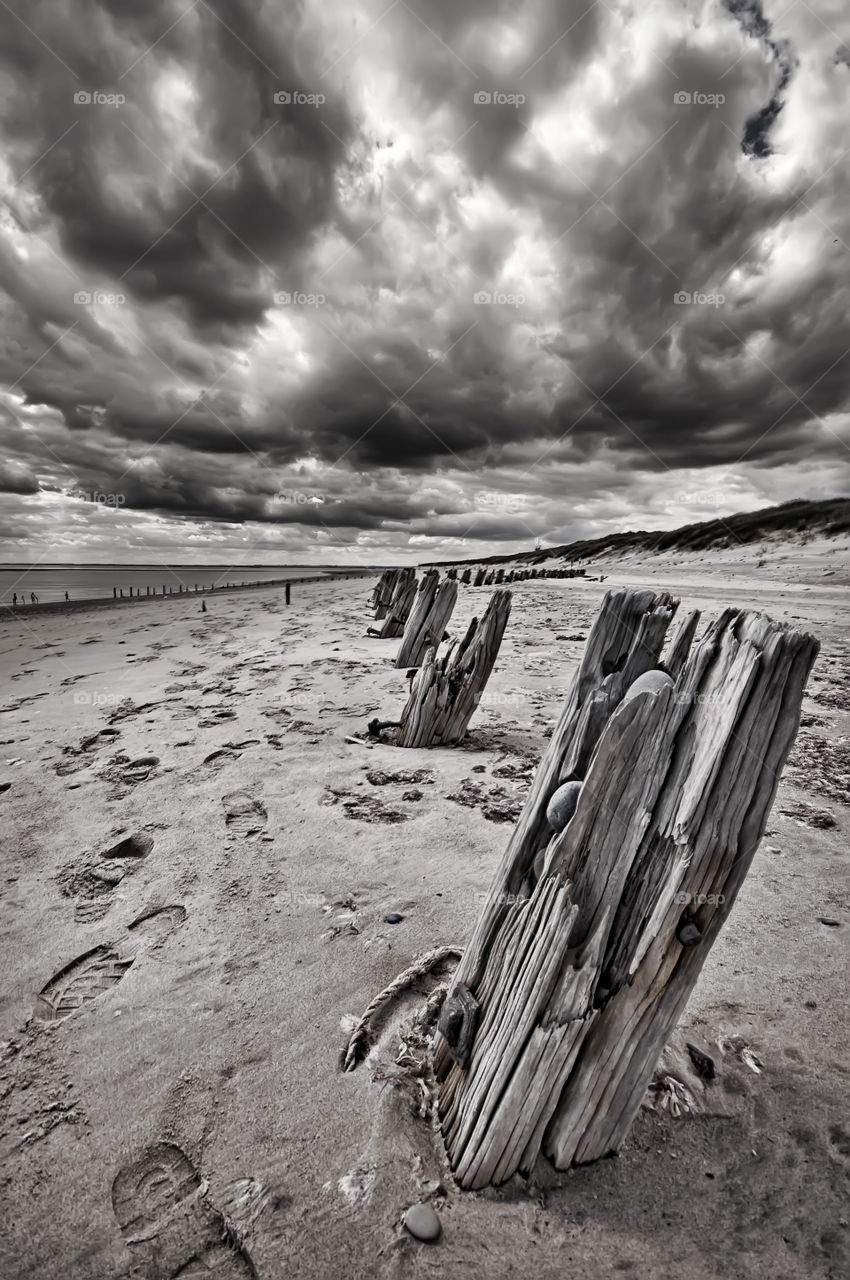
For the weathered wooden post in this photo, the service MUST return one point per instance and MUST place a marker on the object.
(679, 643)
(382, 593)
(114, 593)
(444, 695)
(638, 832)
(466, 576)
(404, 595)
(377, 589)
(435, 601)
(286, 592)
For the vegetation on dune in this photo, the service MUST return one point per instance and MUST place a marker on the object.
(827, 518)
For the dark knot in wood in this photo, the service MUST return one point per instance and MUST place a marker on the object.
(688, 932)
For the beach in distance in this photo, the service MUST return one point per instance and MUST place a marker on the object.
(92, 582)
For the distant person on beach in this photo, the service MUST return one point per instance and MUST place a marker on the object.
(33, 598)
(66, 595)
(15, 598)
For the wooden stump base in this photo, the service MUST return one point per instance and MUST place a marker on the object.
(444, 694)
(592, 937)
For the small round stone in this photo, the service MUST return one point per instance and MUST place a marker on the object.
(393, 917)
(422, 1223)
(650, 682)
(562, 805)
(688, 933)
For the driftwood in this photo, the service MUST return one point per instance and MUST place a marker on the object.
(483, 578)
(444, 694)
(404, 593)
(592, 937)
(426, 625)
(679, 643)
(382, 592)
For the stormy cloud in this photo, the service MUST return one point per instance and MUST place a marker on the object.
(370, 282)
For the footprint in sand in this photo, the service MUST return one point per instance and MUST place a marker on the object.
(214, 716)
(98, 970)
(121, 769)
(216, 760)
(161, 1204)
(74, 756)
(128, 709)
(93, 882)
(244, 815)
(229, 751)
(343, 919)
(365, 912)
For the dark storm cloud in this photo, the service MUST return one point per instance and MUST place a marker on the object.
(208, 230)
(756, 140)
(17, 478)
(598, 199)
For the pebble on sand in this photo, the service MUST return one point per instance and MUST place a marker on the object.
(422, 1223)
(393, 917)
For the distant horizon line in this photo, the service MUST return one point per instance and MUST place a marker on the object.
(99, 564)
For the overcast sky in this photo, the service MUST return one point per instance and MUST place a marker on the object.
(417, 279)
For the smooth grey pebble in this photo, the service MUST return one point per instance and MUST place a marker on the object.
(422, 1223)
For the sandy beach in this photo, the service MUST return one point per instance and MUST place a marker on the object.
(178, 791)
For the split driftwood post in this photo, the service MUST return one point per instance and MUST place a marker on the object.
(597, 925)
(435, 601)
(382, 592)
(377, 589)
(404, 593)
(479, 578)
(444, 695)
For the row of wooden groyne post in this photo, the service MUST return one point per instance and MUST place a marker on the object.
(643, 818)
(118, 592)
(168, 593)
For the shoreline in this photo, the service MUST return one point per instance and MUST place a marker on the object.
(9, 611)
